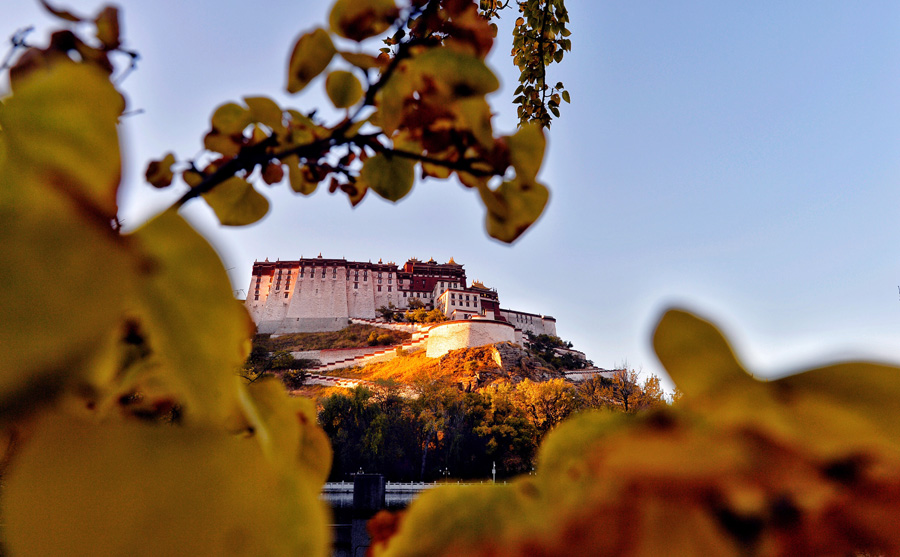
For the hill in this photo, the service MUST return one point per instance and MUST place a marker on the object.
(468, 368)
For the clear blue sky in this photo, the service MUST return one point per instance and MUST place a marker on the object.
(740, 159)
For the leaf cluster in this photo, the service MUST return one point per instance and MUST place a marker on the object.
(120, 353)
(417, 107)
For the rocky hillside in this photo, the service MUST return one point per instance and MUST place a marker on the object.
(469, 368)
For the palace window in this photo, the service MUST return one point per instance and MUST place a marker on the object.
(285, 294)
(323, 272)
(379, 288)
(256, 297)
(356, 285)
(389, 288)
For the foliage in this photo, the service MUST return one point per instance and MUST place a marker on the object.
(555, 351)
(383, 339)
(419, 105)
(415, 303)
(293, 379)
(389, 312)
(352, 336)
(423, 315)
(622, 391)
(540, 38)
(261, 362)
(442, 429)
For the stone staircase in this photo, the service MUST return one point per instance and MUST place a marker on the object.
(418, 340)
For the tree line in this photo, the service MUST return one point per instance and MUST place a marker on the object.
(440, 431)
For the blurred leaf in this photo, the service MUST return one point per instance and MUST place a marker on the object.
(62, 14)
(300, 182)
(194, 326)
(362, 60)
(265, 111)
(220, 143)
(286, 430)
(273, 173)
(695, 355)
(230, 119)
(475, 114)
(526, 150)
(58, 252)
(66, 137)
(134, 489)
(457, 74)
(343, 89)
(236, 202)
(311, 55)
(361, 19)
(390, 177)
(107, 22)
(521, 202)
(159, 173)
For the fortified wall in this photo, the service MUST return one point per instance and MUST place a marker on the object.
(452, 335)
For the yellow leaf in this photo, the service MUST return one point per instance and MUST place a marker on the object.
(220, 143)
(159, 173)
(137, 489)
(236, 202)
(286, 429)
(868, 388)
(361, 19)
(457, 74)
(362, 60)
(435, 170)
(67, 277)
(265, 111)
(526, 150)
(343, 89)
(694, 353)
(299, 180)
(58, 184)
(65, 135)
(311, 55)
(522, 203)
(477, 520)
(230, 119)
(194, 326)
(390, 177)
(475, 115)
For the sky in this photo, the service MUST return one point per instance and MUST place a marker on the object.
(740, 160)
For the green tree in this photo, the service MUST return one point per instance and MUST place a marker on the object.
(555, 351)
(389, 312)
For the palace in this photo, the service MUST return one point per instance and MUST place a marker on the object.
(318, 294)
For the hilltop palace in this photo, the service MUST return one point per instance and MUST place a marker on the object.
(316, 294)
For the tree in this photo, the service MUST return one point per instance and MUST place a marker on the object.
(554, 351)
(389, 312)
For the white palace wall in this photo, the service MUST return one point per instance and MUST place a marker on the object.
(452, 335)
